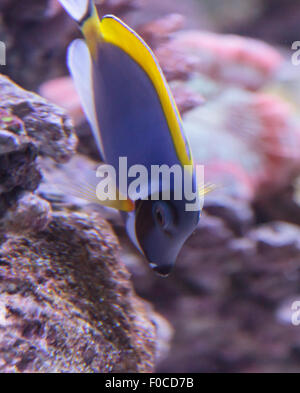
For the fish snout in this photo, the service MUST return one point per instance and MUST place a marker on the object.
(162, 270)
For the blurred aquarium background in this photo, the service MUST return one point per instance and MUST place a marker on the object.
(227, 307)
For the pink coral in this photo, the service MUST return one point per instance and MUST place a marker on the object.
(229, 58)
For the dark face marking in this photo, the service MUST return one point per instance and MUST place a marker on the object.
(162, 227)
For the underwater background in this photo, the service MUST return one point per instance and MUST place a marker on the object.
(75, 296)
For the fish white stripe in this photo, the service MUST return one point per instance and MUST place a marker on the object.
(80, 65)
(76, 8)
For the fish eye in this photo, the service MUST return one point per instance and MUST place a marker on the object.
(159, 215)
(163, 215)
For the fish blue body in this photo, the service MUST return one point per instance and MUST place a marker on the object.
(119, 73)
(133, 114)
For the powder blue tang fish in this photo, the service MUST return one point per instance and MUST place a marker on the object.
(133, 114)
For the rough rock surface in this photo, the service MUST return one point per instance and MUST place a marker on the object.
(46, 124)
(30, 214)
(67, 304)
(29, 126)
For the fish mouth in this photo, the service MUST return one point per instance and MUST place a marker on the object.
(163, 270)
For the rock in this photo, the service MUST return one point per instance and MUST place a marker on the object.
(270, 24)
(18, 170)
(30, 127)
(228, 296)
(211, 232)
(8, 142)
(47, 125)
(30, 214)
(237, 214)
(277, 237)
(67, 305)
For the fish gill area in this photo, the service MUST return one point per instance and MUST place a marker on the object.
(75, 296)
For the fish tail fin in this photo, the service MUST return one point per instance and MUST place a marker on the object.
(84, 12)
(207, 189)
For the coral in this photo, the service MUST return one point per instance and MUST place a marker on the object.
(248, 128)
(159, 31)
(227, 58)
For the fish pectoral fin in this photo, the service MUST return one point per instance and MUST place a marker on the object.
(87, 190)
(113, 197)
(80, 65)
